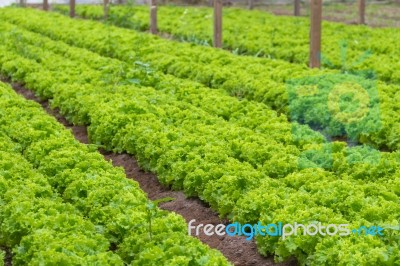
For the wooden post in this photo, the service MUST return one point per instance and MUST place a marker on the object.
(106, 5)
(251, 4)
(361, 10)
(218, 23)
(297, 7)
(22, 2)
(153, 16)
(72, 8)
(46, 5)
(315, 33)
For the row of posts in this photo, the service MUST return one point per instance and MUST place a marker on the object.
(315, 25)
(315, 19)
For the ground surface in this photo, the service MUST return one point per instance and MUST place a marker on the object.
(377, 14)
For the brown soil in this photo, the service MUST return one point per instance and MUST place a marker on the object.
(381, 20)
(237, 249)
(7, 257)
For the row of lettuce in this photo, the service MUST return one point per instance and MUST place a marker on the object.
(275, 83)
(265, 35)
(242, 158)
(63, 204)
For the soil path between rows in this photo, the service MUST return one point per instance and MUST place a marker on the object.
(7, 256)
(236, 249)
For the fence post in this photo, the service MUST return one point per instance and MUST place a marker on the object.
(315, 33)
(106, 4)
(22, 3)
(45, 5)
(250, 4)
(218, 23)
(297, 7)
(361, 10)
(72, 8)
(153, 16)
